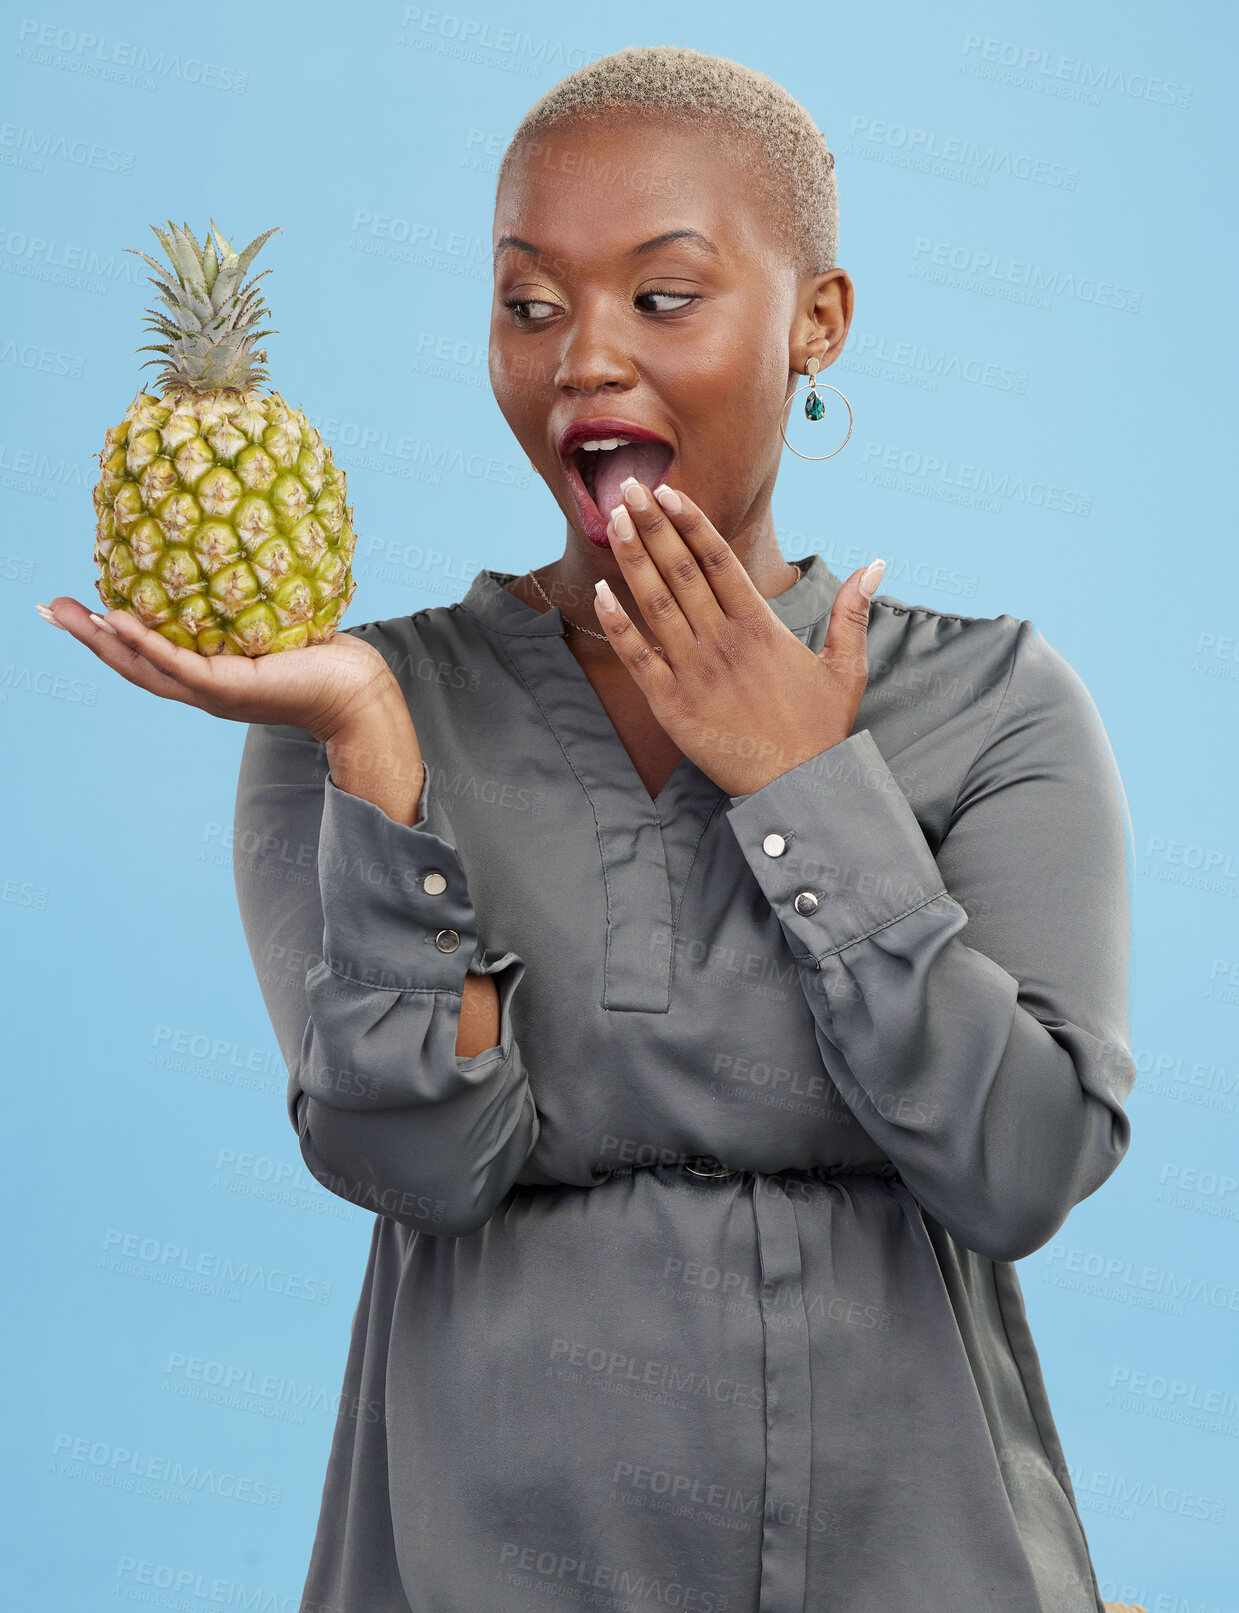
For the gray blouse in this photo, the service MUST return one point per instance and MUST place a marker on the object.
(695, 1291)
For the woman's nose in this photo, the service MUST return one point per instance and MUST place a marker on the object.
(592, 357)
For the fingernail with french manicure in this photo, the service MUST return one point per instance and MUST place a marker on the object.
(871, 577)
(45, 611)
(102, 623)
(605, 597)
(634, 494)
(668, 498)
(622, 522)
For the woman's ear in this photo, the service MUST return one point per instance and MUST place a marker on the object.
(824, 318)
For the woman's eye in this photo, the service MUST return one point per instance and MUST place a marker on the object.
(516, 304)
(676, 296)
(521, 306)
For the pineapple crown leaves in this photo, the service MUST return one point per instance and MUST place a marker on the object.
(210, 336)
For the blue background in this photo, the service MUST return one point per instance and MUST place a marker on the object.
(980, 148)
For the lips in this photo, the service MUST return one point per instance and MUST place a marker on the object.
(594, 475)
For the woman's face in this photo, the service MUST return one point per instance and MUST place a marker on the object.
(690, 341)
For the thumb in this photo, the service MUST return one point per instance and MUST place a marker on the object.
(848, 629)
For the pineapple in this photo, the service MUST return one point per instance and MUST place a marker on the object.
(221, 516)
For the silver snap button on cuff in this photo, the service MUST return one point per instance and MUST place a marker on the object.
(447, 940)
(806, 902)
(434, 884)
(774, 845)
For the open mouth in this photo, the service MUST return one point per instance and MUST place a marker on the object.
(600, 470)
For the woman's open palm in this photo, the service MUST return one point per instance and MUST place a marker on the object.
(316, 688)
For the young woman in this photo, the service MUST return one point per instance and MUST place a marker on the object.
(711, 973)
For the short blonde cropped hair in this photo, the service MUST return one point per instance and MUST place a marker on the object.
(682, 83)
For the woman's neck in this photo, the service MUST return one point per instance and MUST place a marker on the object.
(569, 581)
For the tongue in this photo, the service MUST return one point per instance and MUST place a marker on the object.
(647, 461)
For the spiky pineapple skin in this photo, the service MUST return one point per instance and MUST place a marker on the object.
(222, 523)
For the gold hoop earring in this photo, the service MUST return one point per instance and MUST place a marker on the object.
(814, 408)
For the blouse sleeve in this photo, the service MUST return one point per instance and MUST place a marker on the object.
(347, 935)
(991, 1069)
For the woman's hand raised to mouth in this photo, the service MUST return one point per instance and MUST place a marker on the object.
(735, 688)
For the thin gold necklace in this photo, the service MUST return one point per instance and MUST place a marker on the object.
(590, 631)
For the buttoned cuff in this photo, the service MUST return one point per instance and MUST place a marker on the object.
(397, 913)
(836, 848)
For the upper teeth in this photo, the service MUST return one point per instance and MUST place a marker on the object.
(604, 442)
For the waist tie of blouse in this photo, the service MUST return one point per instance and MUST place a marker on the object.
(789, 1422)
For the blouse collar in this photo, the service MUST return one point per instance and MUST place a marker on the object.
(807, 601)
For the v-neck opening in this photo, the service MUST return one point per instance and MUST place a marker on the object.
(813, 573)
(672, 778)
(683, 767)
(648, 845)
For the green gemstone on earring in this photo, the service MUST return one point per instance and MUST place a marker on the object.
(814, 407)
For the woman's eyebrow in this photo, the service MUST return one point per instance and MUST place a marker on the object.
(675, 235)
(646, 246)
